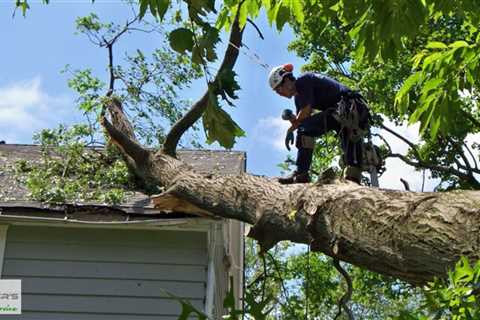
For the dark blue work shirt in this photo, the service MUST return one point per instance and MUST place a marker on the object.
(318, 91)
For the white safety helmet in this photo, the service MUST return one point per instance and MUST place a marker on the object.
(277, 74)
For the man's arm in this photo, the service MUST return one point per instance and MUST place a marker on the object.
(304, 113)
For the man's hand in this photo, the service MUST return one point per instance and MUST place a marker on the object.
(289, 139)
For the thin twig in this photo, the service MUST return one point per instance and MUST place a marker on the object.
(411, 144)
(458, 148)
(342, 303)
(405, 184)
(384, 141)
(255, 26)
(307, 280)
(471, 155)
(282, 284)
(265, 278)
(423, 180)
(449, 170)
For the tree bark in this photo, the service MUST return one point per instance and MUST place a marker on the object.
(408, 235)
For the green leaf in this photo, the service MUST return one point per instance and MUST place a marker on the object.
(283, 14)
(296, 7)
(229, 301)
(187, 308)
(409, 83)
(463, 271)
(143, 8)
(337, 6)
(181, 40)
(459, 44)
(162, 7)
(436, 45)
(253, 8)
(218, 124)
(431, 85)
(227, 84)
(153, 7)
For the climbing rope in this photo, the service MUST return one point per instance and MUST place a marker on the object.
(342, 302)
(252, 56)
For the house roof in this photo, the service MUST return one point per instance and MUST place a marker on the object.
(14, 199)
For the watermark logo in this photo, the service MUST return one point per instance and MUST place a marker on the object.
(10, 297)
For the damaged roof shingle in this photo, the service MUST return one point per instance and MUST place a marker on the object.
(14, 195)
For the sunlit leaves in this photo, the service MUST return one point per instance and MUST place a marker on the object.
(89, 23)
(89, 89)
(457, 298)
(23, 5)
(68, 171)
(284, 11)
(444, 72)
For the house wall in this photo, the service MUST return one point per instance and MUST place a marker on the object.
(92, 273)
(227, 247)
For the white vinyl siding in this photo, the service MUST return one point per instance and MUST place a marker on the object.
(86, 273)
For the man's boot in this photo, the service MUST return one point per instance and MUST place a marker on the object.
(295, 177)
(353, 174)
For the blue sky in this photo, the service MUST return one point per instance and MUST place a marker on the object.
(34, 94)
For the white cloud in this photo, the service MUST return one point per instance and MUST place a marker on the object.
(472, 138)
(271, 131)
(396, 168)
(25, 108)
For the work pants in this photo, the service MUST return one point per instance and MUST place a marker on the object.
(316, 126)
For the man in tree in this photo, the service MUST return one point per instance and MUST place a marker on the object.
(341, 110)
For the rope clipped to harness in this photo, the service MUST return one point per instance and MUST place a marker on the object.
(352, 113)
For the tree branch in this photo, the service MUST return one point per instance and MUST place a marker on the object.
(405, 184)
(450, 170)
(342, 302)
(189, 118)
(458, 148)
(128, 145)
(474, 121)
(411, 144)
(110, 69)
(256, 28)
(471, 155)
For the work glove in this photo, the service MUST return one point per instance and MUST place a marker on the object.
(287, 114)
(289, 139)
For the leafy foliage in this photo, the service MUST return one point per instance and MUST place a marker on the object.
(70, 171)
(456, 298)
(181, 40)
(374, 46)
(393, 91)
(380, 31)
(218, 125)
(292, 278)
(147, 86)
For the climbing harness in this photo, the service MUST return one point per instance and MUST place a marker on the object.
(352, 113)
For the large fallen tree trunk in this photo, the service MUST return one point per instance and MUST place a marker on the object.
(408, 235)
